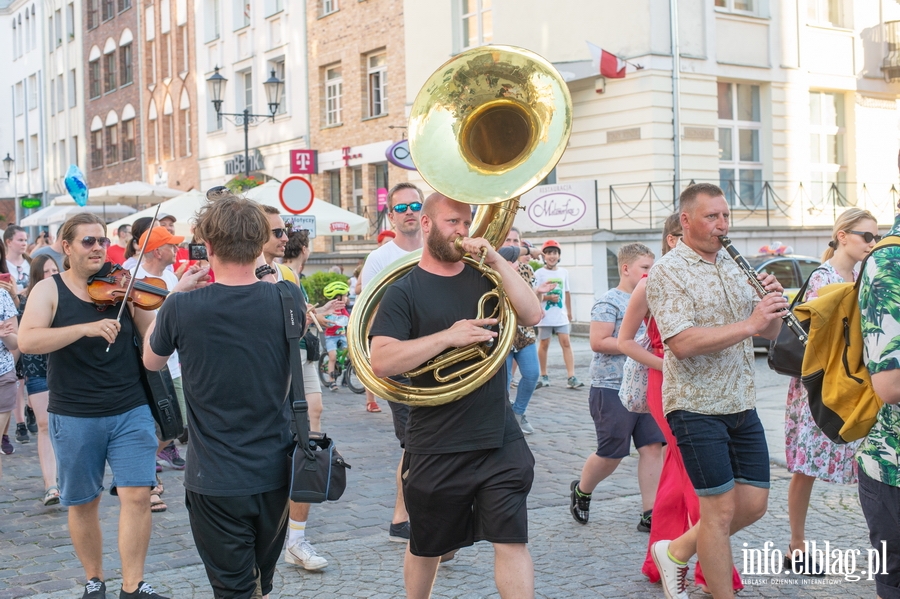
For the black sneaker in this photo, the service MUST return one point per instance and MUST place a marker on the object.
(22, 433)
(644, 523)
(399, 533)
(581, 504)
(30, 420)
(94, 589)
(144, 591)
(6, 448)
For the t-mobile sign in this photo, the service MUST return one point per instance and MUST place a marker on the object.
(304, 162)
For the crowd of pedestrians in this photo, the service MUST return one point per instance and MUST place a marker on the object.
(70, 378)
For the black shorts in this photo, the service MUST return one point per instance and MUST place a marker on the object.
(616, 426)
(457, 499)
(400, 415)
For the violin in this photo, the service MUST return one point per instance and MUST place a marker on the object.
(107, 288)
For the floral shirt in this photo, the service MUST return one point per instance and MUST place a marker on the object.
(879, 455)
(686, 291)
(7, 310)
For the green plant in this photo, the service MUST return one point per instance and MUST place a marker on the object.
(315, 283)
(241, 183)
(535, 264)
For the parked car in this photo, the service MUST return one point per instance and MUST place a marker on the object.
(790, 270)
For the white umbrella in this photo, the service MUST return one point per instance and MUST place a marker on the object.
(330, 219)
(59, 212)
(183, 208)
(133, 191)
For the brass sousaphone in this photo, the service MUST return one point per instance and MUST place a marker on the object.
(486, 127)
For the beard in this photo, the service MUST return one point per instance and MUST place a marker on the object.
(442, 248)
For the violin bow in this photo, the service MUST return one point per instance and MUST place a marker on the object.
(132, 279)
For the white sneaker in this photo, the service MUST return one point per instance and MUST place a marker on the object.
(672, 575)
(523, 424)
(304, 554)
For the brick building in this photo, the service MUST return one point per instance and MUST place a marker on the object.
(112, 111)
(357, 93)
(169, 89)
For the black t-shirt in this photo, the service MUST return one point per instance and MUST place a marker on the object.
(236, 373)
(84, 379)
(420, 304)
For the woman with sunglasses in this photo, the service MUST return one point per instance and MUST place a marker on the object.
(810, 453)
(98, 408)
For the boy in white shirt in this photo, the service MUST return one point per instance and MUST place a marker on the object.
(556, 319)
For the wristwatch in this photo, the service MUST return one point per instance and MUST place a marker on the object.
(264, 270)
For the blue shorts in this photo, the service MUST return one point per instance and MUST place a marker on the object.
(35, 384)
(719, 450)
(83, 446)
(616, 426)
(334, 343)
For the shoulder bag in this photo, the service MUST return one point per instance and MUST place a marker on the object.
(160, 390)
(318, 471)
(635, 377)
(786, 352)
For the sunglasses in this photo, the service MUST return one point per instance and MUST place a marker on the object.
(90, 241)
(278, 233)
(867, 237)
(401, 208)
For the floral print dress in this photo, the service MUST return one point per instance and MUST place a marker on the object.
(808, 450)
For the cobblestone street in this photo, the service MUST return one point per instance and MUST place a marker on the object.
(602, 559)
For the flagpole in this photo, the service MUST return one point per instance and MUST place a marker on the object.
(676, 101)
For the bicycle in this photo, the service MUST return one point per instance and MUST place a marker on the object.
(343, 370)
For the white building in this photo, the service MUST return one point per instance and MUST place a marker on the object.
(784, 103)
(247, 41)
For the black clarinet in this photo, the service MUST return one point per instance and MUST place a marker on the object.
(787, 316)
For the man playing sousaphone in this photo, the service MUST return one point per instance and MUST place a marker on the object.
(467, 470)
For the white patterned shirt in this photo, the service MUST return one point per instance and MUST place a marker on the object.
(685, 291)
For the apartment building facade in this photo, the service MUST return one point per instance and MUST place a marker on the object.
(113, 111)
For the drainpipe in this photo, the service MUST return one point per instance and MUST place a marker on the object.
(676, 92)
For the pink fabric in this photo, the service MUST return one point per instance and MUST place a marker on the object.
(676, 507)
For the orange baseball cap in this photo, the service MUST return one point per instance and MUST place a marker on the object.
(388, 234)
(551, 244)
(159, 236)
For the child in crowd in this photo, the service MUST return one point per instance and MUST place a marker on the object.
(615, 425)
(336, 329)
(557, 305)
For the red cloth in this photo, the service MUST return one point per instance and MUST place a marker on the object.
(115, 254)
(676, 507)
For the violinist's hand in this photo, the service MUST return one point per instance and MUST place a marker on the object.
(108, 329)
(194, 277)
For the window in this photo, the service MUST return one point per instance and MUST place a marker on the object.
(827, 166)
(109, 81)
(334, 187)
(186, 120)
(52, 96)
(32, 92)
(126, 59)
(62, 159)
(15, 40)
(112, 144)
(60, 94)
(70, 21)
(329, 6)
(740, 164)
(185, 49)
(20, 156)
(213, 19)
(377, 85)
(153, 141)
(381, 176)
(124, 5)
(58, 30)
(73, 92)
(477, 23)
(94, 78)
(93, 13)
(274, 6)
(825, 12)
(164, 51)
(278, 67)
(357, 205)
(333, 85)
(51, 32)
(241, 13)
(73, 150)
(168, 137)
(151, 63)
(737, 5)
(245, 90)
(97, 149)
(35, 152)
(127, 140)
(109, 9)
(20, 98)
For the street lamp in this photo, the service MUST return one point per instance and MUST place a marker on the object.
(273, 86)
(8, 164)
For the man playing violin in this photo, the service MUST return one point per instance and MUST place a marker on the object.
(98, 407)
(467, 470)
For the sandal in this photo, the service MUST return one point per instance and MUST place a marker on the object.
(333, 386)
(157, 505)
(372, 407)
(159, 489)
(51, 497)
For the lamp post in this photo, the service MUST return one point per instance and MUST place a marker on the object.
(7, 165)
(273, 86)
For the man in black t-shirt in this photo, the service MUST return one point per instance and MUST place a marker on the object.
(467, 469)
(236, 375)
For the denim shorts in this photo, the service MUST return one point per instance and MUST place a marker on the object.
(547, 332)
(719, 450)
(83, 446)
(333, 343)
(35, 384)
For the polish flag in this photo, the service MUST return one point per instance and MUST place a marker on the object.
(609, 65)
